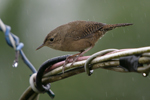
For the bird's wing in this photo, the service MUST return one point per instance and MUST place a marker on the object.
(83, 29)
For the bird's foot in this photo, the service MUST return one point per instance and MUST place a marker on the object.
(71, 59)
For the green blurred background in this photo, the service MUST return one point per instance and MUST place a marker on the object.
(32, 20)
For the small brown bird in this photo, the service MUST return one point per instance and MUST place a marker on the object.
(77, 36)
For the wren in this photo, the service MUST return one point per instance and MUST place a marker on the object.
(77, 36)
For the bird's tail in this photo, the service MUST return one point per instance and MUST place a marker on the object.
(112, 26)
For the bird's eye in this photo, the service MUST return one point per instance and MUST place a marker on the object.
(51, 39)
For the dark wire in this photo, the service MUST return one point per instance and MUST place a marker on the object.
(45, 65)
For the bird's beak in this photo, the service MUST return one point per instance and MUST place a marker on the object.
(40, 46)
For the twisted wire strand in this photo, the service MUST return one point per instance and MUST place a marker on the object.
(107, 61)
(13, 41)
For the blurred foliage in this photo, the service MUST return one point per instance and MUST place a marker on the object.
(32, 20)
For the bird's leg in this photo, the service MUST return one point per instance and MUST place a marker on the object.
(81, 54)
(75, 57)
(68, 59)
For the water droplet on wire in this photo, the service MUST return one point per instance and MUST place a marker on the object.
(145, 74)
(15, 64)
